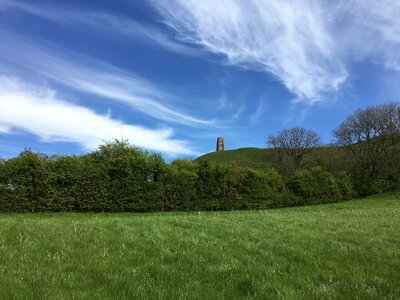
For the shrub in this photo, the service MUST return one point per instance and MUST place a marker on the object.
(261, 188)
(228, 181)
(26, 182)
(119, 177)
(179, 188)
(315, 185)
(66, 174)
(207, 190)
(380, 185)
(345, 185)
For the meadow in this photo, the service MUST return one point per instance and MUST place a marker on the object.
(345, 250)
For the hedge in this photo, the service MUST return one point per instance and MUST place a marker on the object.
(118, 177)
(317, 185)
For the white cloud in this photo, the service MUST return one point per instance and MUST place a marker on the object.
(372, 30)
(95, 77)
(40, 112)
(285, 38)
(4, 129)
(306, 44)
(261, 107)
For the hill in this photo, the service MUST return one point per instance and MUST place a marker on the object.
(347, 250)
(259, 158)
(245, 157)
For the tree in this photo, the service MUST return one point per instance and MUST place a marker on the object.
(372, 135)
(294, 144)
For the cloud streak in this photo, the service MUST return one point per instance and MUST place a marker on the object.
(40, 112)
(259, 112)
(285, 38)
(306, 44)
(4, 129)
(372, 30)
(105, 23)
(95, 77)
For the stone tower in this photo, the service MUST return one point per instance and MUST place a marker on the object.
(220, 144)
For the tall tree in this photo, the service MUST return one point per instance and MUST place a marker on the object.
(372, 135)
(293, 144)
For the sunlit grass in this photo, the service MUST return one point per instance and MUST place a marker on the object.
(346, 250)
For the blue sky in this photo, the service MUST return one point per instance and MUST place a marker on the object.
(173, 75)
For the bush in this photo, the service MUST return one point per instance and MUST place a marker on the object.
(315, 185)
(229, 184)
(346, 186)
(119, 177)
(261, 188)
(207, 186)
(26, 183)
(380, 185)
(179, 188)
(66, 174)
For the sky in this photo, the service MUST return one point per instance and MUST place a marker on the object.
(171, 76)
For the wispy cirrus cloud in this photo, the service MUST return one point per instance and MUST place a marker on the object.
(40, 112)
(261, 108)
(306, 44)
(285, 38)
(4, 129)
(368, 30)
(95, 77)
(102, 23)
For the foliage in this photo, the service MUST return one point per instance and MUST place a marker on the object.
(372, 138)
(293, 144)
(262, 188)
(26, 183)
(178, 188)
(346, 186)
(119, 177)
(380, 185)
(317, 185)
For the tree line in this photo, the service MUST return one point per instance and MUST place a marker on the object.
(367, 147)
(120, 177)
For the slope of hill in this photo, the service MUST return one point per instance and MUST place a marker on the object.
(334, 158)
(249, 157)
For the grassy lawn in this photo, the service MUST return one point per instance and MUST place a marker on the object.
(346, 250)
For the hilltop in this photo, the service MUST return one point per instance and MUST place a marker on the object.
(245, 157)
(261, 158)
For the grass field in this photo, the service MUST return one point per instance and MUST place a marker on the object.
(348, 250)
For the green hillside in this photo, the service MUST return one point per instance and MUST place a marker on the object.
(250, 157)
(260, 158)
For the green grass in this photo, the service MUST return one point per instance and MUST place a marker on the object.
(244, 157)
(260, 158)
(348, 250)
